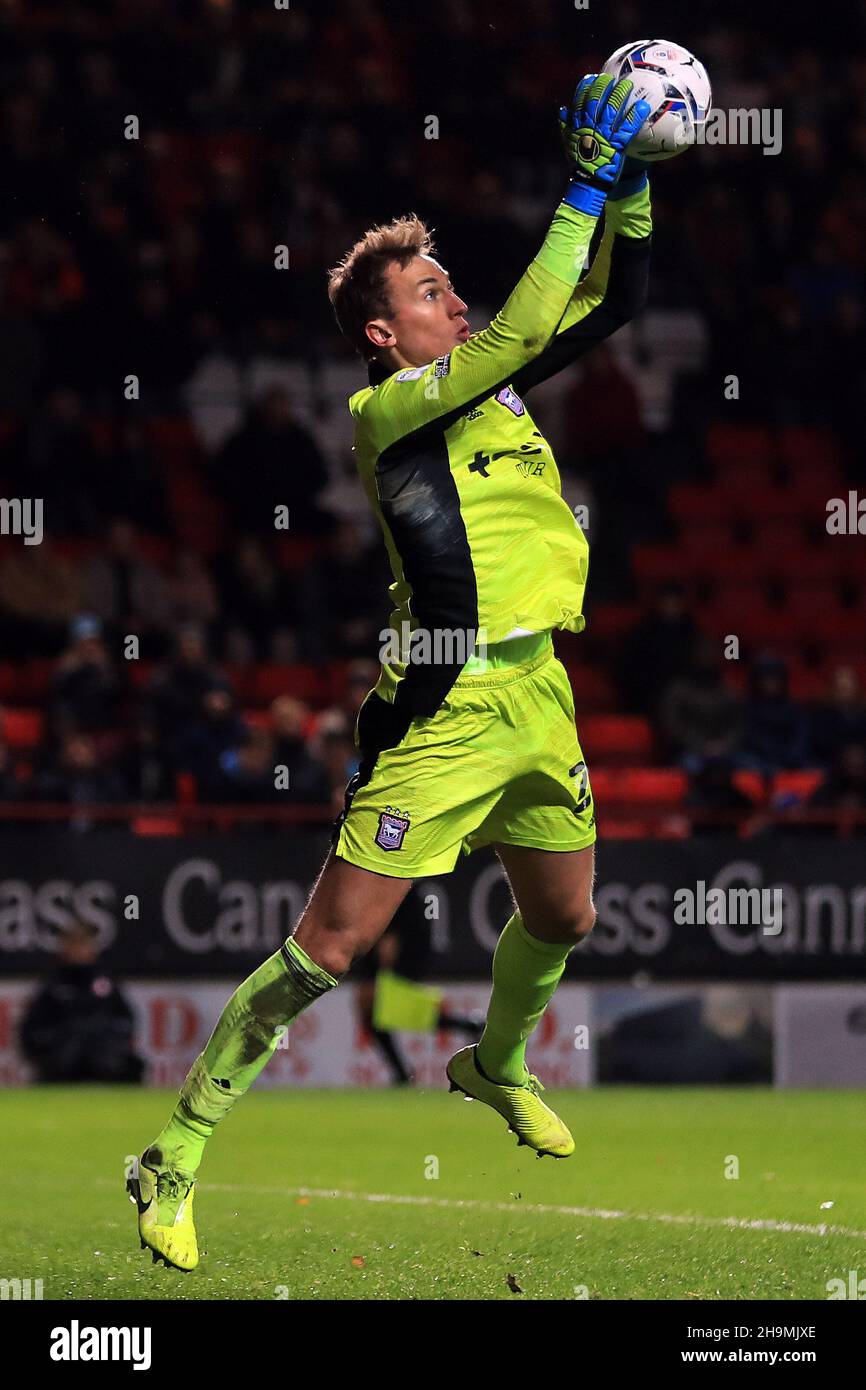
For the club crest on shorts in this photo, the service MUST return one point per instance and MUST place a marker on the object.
(510, 398)
(392, 829)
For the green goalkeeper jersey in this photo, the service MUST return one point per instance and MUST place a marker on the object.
(464, 484)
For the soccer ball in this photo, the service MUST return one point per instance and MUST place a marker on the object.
(675, 84)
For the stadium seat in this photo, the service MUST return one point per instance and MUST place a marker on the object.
(22, 728)
(748, 445)
(639, 785)
(270, 680)
(809, 450)
(624, 828)
(656, 564)
(156, 825)
(751, 784)
(610, 621)
(294, 552)
(591, 686)
(799, 783)
(616, 738)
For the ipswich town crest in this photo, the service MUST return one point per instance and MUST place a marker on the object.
(392, 828)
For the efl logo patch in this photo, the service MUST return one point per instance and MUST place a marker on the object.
(510, 398)
(392, 829)
(412, 373)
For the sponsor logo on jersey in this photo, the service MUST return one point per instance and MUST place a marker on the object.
(413, 373)
(443, 365)
(392, 829)
(474, 414)
(510, 398)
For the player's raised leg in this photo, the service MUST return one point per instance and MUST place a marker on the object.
(348, 910)
(553, 892)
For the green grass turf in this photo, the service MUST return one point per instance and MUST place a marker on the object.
(65, 1218)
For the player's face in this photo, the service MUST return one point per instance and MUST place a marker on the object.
(428, 317)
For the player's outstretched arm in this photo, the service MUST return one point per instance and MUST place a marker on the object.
(413, 399)
(615, 288)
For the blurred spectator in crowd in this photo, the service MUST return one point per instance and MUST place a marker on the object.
(259, 600)
(137, 485)
(334, 747)
(192, 592)
(176, 692)
(144, 765)
(775, 729)
(711, 790)
(346, 595)
(85, 691)
(604, 435)
(361, 676)
(54, 457)
(79, 1027)
(10, 789)
(656, 651)
(309, 780)
(201, 744)
(270, 462)
(844, 786)
(77, 777)
(245, 772)
(699, 716)
(164, 348)
(839, 719)
(39, 596)
(127, 592)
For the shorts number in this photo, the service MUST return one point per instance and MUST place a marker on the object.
(582, 792)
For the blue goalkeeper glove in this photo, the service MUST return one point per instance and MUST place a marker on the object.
(596, 130)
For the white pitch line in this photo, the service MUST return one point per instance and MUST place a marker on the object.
(542, 1208)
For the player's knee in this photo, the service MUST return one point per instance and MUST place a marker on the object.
(578, 923)
(584, 921)
(572, 926)
(331, 944)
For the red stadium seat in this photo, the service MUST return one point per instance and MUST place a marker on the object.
(639, 785)
(294, 552)
(751, 445)
(745, 614)
(624, 828)
(33, 680)
(807, 449)
(657, 564)
(591, 686)
(609, 621)
(797, 783)
(269, 681)
(616, 737)
(156, 825)
(694, 503)
(22, 728)
(752, 785)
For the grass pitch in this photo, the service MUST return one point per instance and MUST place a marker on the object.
(421, 1195)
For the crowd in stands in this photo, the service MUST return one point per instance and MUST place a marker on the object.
(153, 258)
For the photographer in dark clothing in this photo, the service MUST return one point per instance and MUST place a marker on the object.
(79, 1027)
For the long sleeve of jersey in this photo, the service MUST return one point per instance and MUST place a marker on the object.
(612, 292)
(411, 439)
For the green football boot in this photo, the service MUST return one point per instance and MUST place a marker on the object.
(164, 1198)
(534, 1123)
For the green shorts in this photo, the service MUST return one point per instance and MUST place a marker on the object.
(499, 763)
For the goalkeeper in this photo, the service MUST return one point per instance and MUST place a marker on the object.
(468, 738)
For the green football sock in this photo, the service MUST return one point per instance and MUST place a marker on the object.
(526, 971)
(246, 1036)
